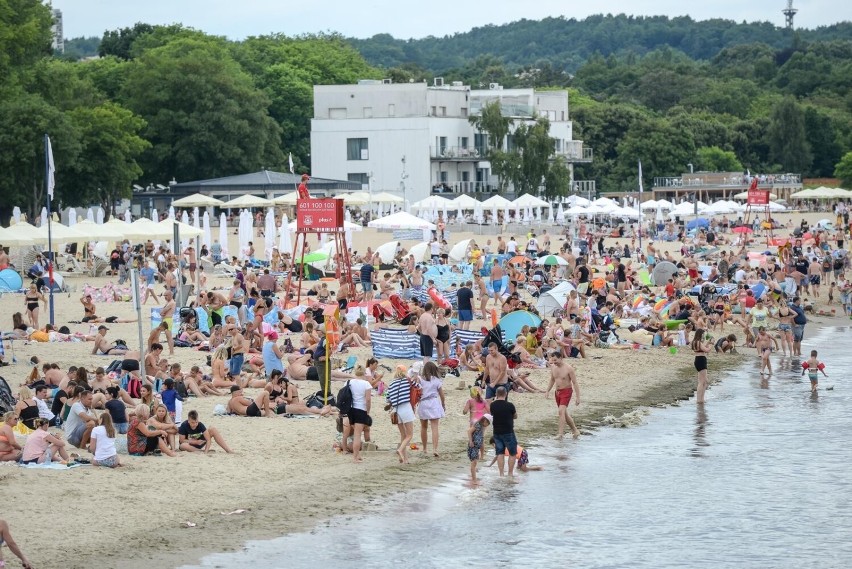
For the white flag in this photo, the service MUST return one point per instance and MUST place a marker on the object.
(640, 178)
(291, 163)
(51, 182)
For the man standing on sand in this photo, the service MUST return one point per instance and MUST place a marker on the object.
(239, 348)
(464, 297)
(496, 371)
(192, 261)
(504, 415)
(497, 281)
(427, 327)
(563, 376)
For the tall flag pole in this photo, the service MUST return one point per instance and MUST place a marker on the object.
(641, 190)
(50, 183)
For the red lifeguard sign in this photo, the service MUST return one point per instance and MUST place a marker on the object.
(320, 215)
(758, 197)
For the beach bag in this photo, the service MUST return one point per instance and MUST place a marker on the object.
(316, 400)
(344, 399)
(416, 394)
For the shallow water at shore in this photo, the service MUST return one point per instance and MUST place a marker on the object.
(756, 479)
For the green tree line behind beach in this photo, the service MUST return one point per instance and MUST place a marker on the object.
(168, 102)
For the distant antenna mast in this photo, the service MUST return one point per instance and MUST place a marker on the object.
(789, 12)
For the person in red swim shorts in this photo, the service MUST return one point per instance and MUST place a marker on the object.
(562, 375)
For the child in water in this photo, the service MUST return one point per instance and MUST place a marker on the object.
(475, 438)
(813, 366)
(522, 457)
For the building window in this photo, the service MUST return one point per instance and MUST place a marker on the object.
(357, 149)
(445, 177)
(480, 142)
(432, 111)
(464, 142)
(391, 110)
(368, 112)
(337, 113)
(465, 176)
(442, 145)
(464, 112)
(557, 144)
(443, 111)
(361, 177)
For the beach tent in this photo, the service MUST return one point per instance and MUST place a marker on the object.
(496, 201)
(401, 220)
(663, 272)
(458, 253)
(465, 202)
(699, 222)
(10, 281)
(554, 299)
(420, 252)
(387, 251)
(197, 200)
(512, 323)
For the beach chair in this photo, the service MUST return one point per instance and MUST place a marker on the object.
(645, 278)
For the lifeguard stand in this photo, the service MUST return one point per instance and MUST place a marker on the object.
(757, 202)
(319, 216)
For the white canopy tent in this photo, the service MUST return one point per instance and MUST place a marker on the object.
(197, 200)
(529, 200)
(401, 220)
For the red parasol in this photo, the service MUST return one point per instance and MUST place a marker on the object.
(742, 229)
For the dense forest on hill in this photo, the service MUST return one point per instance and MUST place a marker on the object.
(163, 102)
(566, 43)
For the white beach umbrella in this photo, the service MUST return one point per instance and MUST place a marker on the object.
(207, 236)
(197, 200)
(72, 217)
(223, 234)
(245, 232)
(90, 215)
(100, 214)
(43, 220)
(172, 212)
(659, 216)
(560, 214)
(285, 244)
(196, 218)
(269, 233)
(128, 217)
(11, 238)
(16, 214)
(184, 219)
(155, 217)
(387, 251)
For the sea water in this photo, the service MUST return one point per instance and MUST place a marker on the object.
(760, 477)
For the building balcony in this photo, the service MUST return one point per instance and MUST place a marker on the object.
(576, 154)
(717, 181)
(456, 153)
(458, 188)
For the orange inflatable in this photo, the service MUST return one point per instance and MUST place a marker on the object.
(439, 300)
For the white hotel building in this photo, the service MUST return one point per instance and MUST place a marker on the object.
(413, 139)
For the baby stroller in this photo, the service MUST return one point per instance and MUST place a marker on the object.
(496, 335)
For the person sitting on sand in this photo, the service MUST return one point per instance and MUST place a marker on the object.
(299, 366)
(102, 444)
(10, 450)
(284, 397)
(196, 437)
(143, 439)
(240, 405)
(162, 420)
(99, 386)
(103, 347)
(219, 370)
(155, 334)
(41, 445)
(81, 420)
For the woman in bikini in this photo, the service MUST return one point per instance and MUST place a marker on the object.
(470, 360)
(26, 408)
(31, 299)
(701, 349)
(219, 370)
(444, 334)
(10, 450)
(785, 327)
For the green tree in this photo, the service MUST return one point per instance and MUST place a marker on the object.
(118, 43)
(663, 149)
(822, 138)
(787, 138)
(557, 181)
(107, 166)
(492, 122)
(24, 34)
(843, 170)
(714, 159)
(24, 120)
(205, 118)
(536, 148)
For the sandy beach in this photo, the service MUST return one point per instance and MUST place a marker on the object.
(284, 473)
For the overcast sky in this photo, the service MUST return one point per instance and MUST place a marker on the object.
(406, 18)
